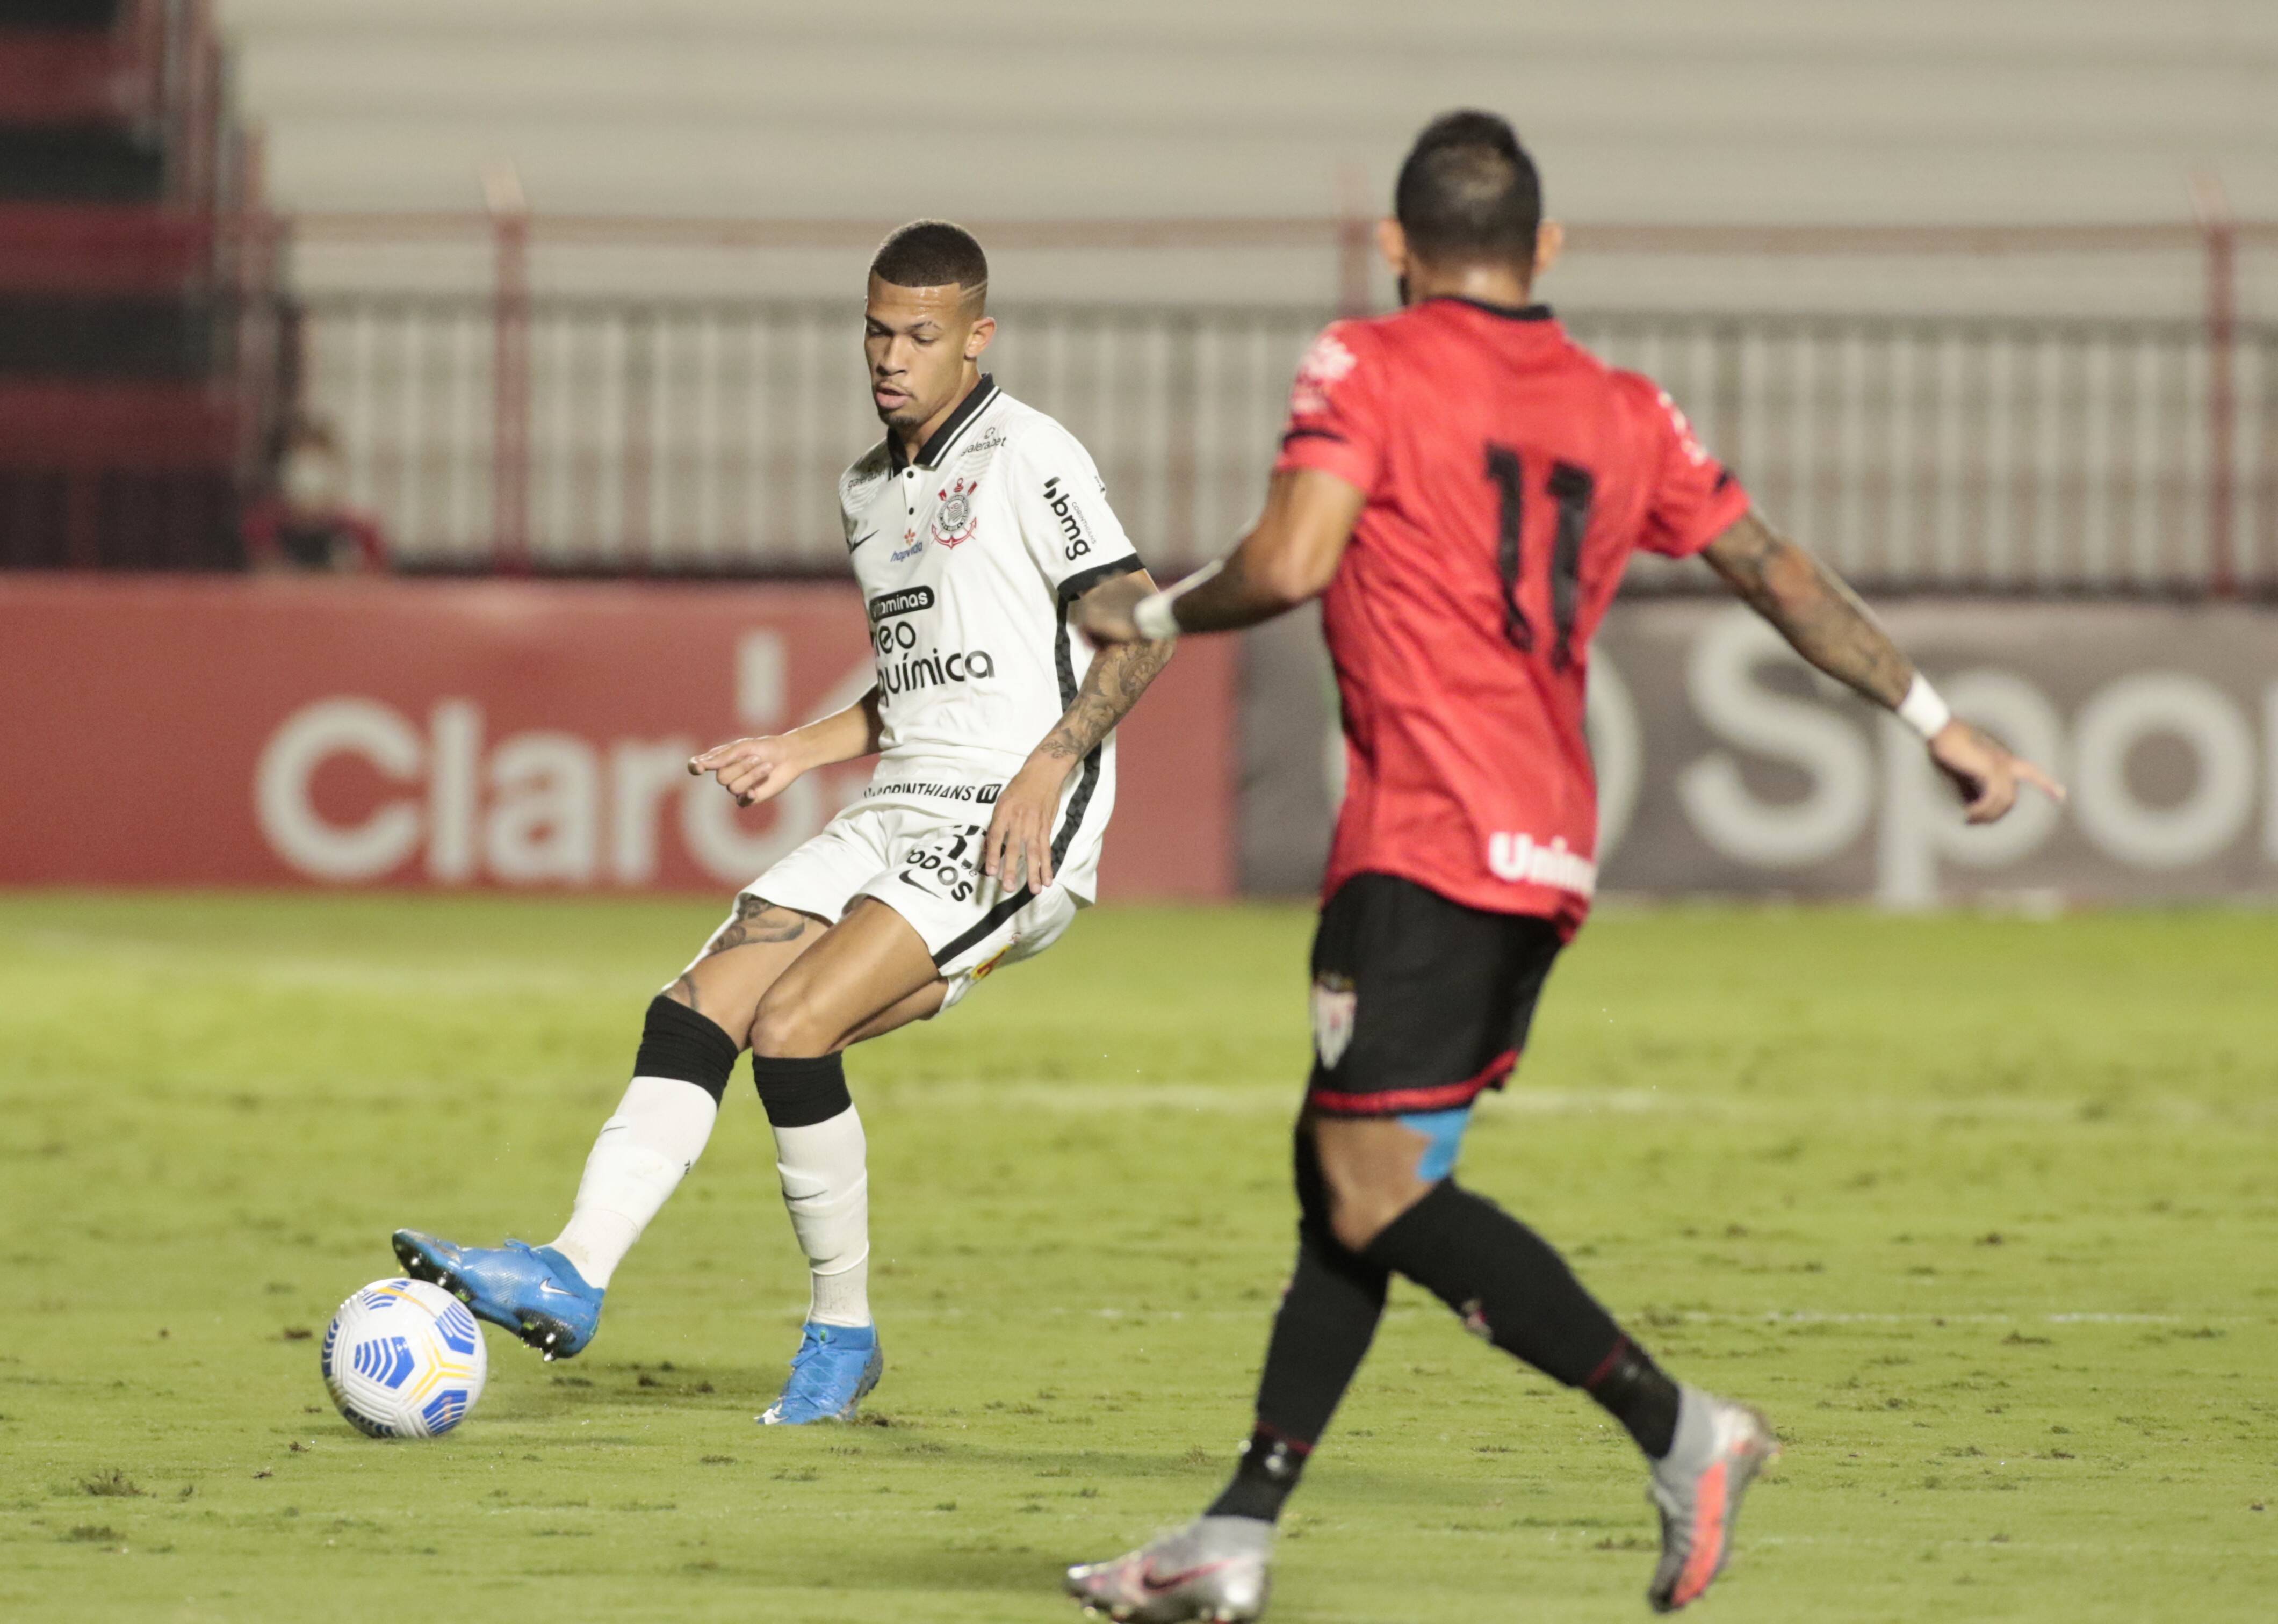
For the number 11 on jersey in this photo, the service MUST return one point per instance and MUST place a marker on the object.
(1572, 489)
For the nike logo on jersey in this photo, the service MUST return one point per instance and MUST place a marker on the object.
(859, 540)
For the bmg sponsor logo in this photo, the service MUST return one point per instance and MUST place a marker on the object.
(1075, 543)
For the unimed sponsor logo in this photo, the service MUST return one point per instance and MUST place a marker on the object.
(1522, 859)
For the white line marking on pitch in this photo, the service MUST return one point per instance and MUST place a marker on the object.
(1280, 1099)
(1264, 1313)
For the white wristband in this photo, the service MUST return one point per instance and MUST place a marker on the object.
(1922, 710)
(1153, 615)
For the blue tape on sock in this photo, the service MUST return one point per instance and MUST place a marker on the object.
(1445, 1130)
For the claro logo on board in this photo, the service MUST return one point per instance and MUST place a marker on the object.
(542, 806)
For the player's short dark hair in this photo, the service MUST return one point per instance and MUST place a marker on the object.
(1468, 190)
(931, 254)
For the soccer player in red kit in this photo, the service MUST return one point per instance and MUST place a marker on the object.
(1463, 484)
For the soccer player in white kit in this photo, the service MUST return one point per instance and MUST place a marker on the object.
(975, 527)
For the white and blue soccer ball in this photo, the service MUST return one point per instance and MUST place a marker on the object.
(404, 1359)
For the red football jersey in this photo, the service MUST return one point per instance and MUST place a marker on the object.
(1509, 473)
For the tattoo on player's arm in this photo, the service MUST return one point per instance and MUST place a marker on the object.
(1118, 677)
(1814, 609)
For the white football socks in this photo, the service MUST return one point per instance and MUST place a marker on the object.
(826, 1186)
(638, 1160)
(658, 1131)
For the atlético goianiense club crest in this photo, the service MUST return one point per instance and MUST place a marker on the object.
(1334, 1003)
(955, 520)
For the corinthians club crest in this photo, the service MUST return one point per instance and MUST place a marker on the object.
(1335, 1000)
(955, 520)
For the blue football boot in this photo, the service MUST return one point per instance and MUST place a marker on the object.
(534, 1292)
(836, 1368)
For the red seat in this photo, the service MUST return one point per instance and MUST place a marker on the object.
(50, 78)
(146, 426)
(131, 425)
(94, 248)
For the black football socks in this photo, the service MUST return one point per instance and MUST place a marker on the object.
(1512, 1288)
(1269, 1471)
(1636, 1393)
(1321, 1333)
(1506, 1282)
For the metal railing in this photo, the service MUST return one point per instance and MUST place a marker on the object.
(707, 435)
(2003, 455)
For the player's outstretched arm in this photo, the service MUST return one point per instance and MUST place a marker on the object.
(1289, 556)
(1826, 622)
(759, 769)
(1020, 842)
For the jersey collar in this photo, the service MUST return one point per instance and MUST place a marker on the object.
(1509, 312)
(939, 442)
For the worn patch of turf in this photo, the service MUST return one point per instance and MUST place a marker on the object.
(1982, 1211)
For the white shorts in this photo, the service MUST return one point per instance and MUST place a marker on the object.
(924, 863)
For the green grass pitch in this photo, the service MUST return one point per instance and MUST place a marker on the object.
(1984, 1212)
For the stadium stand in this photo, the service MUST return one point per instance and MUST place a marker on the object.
(140, 377)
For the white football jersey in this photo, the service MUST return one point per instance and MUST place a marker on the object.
(970, 559)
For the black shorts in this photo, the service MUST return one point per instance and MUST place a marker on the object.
(1419, 1003)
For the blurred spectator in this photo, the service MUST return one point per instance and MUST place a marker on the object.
(306, 522)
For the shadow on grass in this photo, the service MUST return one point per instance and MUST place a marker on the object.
(922, 1567)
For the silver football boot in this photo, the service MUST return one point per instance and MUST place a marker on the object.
(1213, 1569)
(1697, 1487)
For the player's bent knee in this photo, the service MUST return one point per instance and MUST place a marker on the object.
(800, 1093)
(788, 1029)
(1361, 1190)
(677, 1042)
(1312, 1187)
(1358, 1205)
(1356, 1217)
